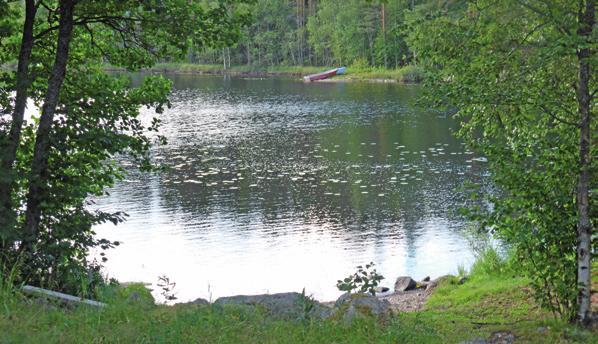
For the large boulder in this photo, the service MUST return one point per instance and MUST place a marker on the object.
(282, 305)
(351, 306)
(404, 283)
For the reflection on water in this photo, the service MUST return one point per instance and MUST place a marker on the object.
(275, 185)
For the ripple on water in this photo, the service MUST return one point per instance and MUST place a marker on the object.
(274, 185)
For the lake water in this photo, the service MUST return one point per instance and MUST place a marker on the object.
(275, 185)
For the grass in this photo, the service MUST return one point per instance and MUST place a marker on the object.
(407, 74)
(492, 299)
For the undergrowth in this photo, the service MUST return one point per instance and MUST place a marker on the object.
(492, 298)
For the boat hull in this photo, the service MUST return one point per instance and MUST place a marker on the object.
(324, 75)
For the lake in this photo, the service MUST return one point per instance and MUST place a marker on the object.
(276, 185)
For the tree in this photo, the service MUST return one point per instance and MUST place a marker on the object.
(519, 76)
(9, 146)
(87, 116)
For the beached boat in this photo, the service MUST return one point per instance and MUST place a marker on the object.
(325, 75)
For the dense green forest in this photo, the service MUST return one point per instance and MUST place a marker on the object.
(327, 32)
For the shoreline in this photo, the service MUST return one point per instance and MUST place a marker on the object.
(397, 76)
(483, 306)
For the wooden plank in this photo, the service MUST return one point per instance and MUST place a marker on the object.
(63, 297)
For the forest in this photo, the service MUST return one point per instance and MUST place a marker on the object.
(360, 33)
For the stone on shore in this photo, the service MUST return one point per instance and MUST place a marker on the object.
(284, 305)
(351, 306)
(498, 337)
(199, 302)
(404, 283)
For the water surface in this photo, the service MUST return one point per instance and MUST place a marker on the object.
(276, 185)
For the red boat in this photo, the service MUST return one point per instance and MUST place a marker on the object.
(325, 75)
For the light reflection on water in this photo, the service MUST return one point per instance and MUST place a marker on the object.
(275, 185)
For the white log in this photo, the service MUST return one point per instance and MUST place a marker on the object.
(63, 297)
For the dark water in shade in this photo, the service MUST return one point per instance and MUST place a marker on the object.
(275, 185)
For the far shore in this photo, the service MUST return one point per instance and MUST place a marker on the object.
(404, 75)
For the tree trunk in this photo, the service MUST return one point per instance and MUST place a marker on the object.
(39, 165)
(9, 152)
(383, 20)
(584, 226)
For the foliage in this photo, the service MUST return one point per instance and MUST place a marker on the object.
(510, 72)
(364, 280)
(99, 117)
(454, 313)
(321, 33)
(167, 287)
(491, 263)
(307, 304)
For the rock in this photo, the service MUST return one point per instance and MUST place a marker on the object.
(351, 306)
(542, 330)
(283, 305)
(404, 283)
(382, 290)
(462, 280)
(502, 337)
(499, 337)
(198, 302)
(422, 285)
(426, 279)
(343, 299)
(431, 285)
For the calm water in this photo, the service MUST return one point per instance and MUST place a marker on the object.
(275, 185)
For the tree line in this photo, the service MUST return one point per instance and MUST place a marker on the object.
(325, 33)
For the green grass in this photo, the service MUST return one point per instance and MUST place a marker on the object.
(491, 299)
(407, 74)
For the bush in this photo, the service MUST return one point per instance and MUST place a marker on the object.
(364, 280)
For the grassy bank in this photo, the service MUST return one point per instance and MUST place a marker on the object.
(485, 303)
(407, 74)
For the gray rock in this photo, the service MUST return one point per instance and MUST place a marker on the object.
(431, 285)
(543, 329)
(346, 297)
(351, 306)
(283, 305)
(502, 337)
(404, 283)
(499, 337)
(383, 292)
(426, 279)
(382, 289)
(200, 302)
